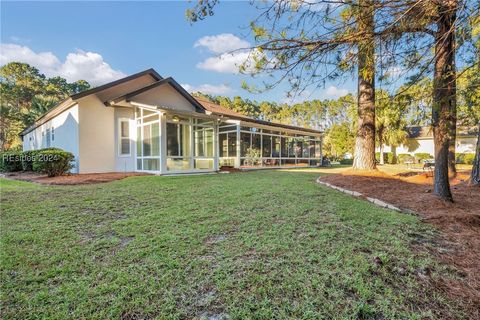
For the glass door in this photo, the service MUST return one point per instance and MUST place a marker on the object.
(148, 140)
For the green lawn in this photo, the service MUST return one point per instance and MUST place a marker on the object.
(262, 245)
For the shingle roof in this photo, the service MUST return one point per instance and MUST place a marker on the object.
(216, 108)
(60, 107)
(220, 110)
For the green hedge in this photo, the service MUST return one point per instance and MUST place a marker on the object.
(11, 161)
(346, 161)
(422, 156)
(53, 162)
(404, 157)
(29, 157)
(465, 158)
(387, 157)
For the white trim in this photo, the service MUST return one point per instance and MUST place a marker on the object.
(120, 138)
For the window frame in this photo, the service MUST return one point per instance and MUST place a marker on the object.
(120, 138)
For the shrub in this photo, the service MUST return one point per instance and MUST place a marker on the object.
(422, 156)
(465, 158)
(346, 161)
(10, 161)
(404, 157)
(29, 157)
(54, 162)
(387, 157)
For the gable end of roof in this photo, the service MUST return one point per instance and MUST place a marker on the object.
(85, 93)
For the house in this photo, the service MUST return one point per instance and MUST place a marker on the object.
(148, 123)
(420, 140)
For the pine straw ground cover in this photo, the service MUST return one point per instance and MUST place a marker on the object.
(458, 223)
(261, 245)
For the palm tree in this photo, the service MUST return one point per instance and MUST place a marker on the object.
(390, 123)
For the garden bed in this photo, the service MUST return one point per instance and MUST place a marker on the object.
(71, 179)
(459, 222)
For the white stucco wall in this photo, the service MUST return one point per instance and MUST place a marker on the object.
(96, 136)
(66, 137)
(164, 96)
(463, 145)
(466, 145)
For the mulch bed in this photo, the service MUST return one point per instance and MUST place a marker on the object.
(458, 222)
(71, 179)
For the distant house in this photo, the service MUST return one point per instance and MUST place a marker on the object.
(148, 123)
(420, 140)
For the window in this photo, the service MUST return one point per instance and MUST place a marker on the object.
(275, 147)
(203, 141)
(48, 138)
(52, 133)
(267, 146)
(124, 137)
(223, 144)
(178, 140)
(232, 144)
(244, 143)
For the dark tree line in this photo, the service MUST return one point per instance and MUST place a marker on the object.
(25, 95)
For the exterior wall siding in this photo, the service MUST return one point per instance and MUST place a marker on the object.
(463, 145)
(65, 134)
(97, 136)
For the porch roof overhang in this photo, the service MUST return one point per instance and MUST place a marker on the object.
(218, 116)
(164, 109)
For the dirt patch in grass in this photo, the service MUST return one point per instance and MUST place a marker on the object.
(459, 222)
(71, 179)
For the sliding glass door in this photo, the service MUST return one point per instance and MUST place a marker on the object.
(190, 144)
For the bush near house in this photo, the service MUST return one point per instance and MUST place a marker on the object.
(53, 162)
(346, 161)
(28, 157)
(387, 157)
(464, 158)
(11, 161)
(419, 157)
(404, 157)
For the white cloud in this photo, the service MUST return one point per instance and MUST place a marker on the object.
(225, 63)
(89, 66)
(230, 53)
(78, 65)
(334, 92)
(221, 43)
(221, 89)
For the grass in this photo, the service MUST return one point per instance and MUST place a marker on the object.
(262, 245)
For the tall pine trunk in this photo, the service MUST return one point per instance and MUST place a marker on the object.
(380, 143)
(444, 90)
(364, 154)
(475, 176)
(452, 169)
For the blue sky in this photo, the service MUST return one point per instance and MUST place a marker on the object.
(101, 41)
